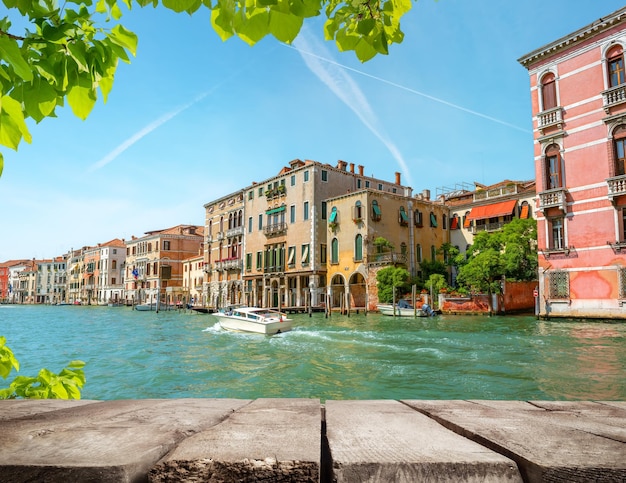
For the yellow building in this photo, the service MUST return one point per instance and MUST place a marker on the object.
(415, 228)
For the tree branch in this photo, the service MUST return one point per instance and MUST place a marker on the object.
(11, 36)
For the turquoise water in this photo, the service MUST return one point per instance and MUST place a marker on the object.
(137, 355)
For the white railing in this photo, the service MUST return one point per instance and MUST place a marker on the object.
(551, 117)
(614, 96)
(234, 231)
(495, 192)
(552, 198)
(617, 186)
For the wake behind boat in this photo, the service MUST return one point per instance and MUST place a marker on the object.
(253, 319)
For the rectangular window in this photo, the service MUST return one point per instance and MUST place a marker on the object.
(305, 254)
(548, 94)
(358, 184)
(418, 253)
(166, 245)
(306, 211)
(433, 220)
(250, 195)
(113, 264)
(248, 261)
(323, 253)
(306, 176)
(113, 280)
(260, 221)
(250, 224)
(323, 210)
(380, 186)
(557, 240)
(324, 175)
(260, 190)
(293, 180)
(259, 260)
(622, 219)
(291, 256)
(554, 171)
(292, 214)
(620, 156)
(367, 184)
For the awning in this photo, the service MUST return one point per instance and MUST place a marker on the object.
(275, 210)
(333, 216)
(454, 223)
(492, 211)
(433, 220)
(525, 211)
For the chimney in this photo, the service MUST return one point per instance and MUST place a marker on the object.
(360, 170)
(341, 165)
(426, 194)
(397, 178)
(352, 167)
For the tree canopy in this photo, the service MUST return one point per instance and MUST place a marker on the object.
(510, 252)
(70, 50)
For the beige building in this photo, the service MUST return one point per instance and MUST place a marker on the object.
(74, 278)
(154, 263)
(276, 254)
(110, 288)
(415, 228)
(193, 280)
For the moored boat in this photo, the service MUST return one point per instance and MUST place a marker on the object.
(405, 310)
(253, 319)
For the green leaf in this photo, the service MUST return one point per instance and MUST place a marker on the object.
(10, 52)
(284, 26)
(1, 166)
(253, 28)
(77, 51)
(124, 38)
(365, 26)
(40, 99)
(178, 5)
(222, 22)
(81, 96)
(12, 125)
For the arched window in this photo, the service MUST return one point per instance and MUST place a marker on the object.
(230, 221)
(334, 251)
(357, 212)
(403, 248)
(358, 248)
(444, 221)
(615, 66)
(467, 223)
(433, 253)
(240, 218)
(376, 214)
(553, 177)
(619, 151)
(418, 253)
(548, 92)
(524, 211)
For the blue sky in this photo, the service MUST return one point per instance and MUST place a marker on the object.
(193, 118)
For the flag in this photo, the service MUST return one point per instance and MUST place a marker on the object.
(135, 273)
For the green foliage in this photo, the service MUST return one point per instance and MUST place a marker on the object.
(47, 385)
(430, 267)
(510, 252)
(436, 282)
(71, 51)
(382, 244)
(389, 277)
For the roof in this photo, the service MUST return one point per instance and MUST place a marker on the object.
(599, 26)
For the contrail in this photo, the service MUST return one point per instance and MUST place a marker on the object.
(144, 132)
(348, 91)
(412, 91)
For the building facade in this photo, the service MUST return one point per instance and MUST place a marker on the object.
(154, 263)
(578, 97)
(110, 288)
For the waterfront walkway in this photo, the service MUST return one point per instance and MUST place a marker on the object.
(301, 440)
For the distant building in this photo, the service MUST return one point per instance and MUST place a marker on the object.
(154, 263)
(110, 281)
(578, 94)
(193, 280)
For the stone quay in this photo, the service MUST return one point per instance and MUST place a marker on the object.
(303, 440)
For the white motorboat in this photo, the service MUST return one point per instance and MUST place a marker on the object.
(253, 319)
(145, 307)
(405, 310)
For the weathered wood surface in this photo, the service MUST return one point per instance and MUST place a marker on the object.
(301, 440)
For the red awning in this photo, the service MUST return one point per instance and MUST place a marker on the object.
(492, 211)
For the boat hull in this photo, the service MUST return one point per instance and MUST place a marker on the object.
(387, 309)
(237, 324)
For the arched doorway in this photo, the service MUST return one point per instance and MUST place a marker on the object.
(358, 291)
(337, 291)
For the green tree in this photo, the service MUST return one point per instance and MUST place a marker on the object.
(389, 277)
(69, 51)
(47, 385)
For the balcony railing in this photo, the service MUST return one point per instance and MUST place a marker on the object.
(234, 264)
(495, 192)
(274, 269)
(220, 235)
(488, 227)
(234, 231)
(276, 192)
(390, 258)
(209, 238)
(613, 97)
(275, 229)
(549, 118)
(617, 186)
(554, 198)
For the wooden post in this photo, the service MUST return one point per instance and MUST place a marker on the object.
(393, 302)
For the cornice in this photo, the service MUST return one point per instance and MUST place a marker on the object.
(599, 26)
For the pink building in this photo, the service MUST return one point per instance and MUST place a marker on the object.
(578, 92)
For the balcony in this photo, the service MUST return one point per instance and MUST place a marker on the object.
(274, 269)
(229, 264)
(234, 232)
(617, 187)
(495, 193)
(275, 229)
(488, 227)
(550, 118)
(220, 236)
(554, 198)
(209, 238)
(613, 97)
(276, 192)
(391, 258)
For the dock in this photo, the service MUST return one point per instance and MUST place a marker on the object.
(305, 440)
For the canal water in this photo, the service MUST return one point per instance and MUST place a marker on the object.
(136, 355)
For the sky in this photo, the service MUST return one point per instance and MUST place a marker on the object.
(192, 118)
